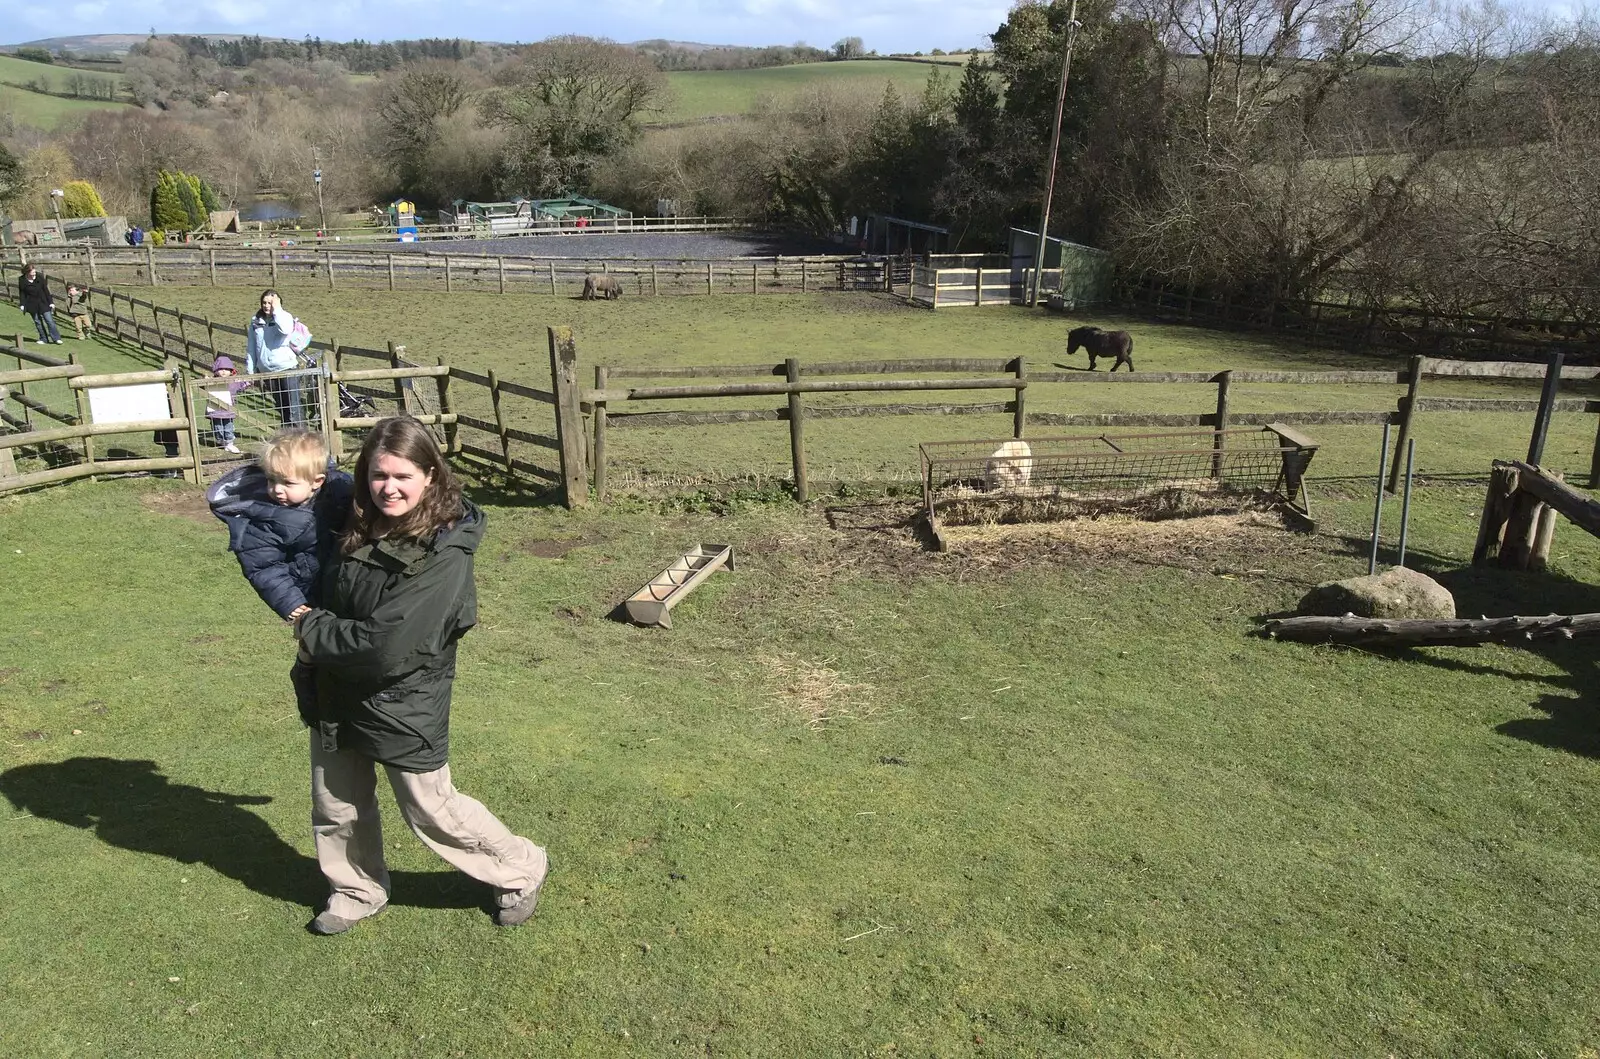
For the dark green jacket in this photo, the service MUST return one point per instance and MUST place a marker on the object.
(384, 643)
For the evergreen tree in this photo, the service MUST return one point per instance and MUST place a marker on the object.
(13, 181)
(166, 205)
(208, 196)
(81, 200)
(193, 212)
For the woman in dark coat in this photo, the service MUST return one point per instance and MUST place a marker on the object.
(34, 297)
(384, 647)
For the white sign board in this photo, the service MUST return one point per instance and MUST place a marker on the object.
(129, 404)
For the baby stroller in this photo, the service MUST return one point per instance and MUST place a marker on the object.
(352, 405)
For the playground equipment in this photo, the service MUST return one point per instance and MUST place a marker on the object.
(402, 216)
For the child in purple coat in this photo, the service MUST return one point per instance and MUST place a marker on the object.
(219, 404)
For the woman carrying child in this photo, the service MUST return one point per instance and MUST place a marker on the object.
(383, 644)
(267, 349)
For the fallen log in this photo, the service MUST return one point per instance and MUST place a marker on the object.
(1388, 632)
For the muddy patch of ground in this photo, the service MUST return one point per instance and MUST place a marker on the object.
(189, 504)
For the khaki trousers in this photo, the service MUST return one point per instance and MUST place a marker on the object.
(349, 835)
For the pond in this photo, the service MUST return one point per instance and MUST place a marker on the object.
(269, 210)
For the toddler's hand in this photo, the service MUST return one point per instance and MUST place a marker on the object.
(296, 614)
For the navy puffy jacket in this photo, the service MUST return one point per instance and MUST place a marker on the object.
(281, 549)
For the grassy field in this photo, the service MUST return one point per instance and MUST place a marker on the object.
(48, 112)
(21, 72)
(1037, 797)
(712, 93)
(45, 111)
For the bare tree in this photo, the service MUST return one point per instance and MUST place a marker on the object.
(568, 102)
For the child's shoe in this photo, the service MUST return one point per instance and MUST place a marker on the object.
(231, 447)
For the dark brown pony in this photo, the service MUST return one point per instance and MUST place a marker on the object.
(1100, 343)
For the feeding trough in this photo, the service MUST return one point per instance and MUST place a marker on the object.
(652, 603)
(1157, 475)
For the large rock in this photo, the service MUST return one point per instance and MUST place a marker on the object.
(1395, 593)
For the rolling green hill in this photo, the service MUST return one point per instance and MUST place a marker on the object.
(22, 73)
(713, 93)
(20, 100)
(47, 112)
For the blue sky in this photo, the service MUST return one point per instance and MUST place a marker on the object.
(886, 25)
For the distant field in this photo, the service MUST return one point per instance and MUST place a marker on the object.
(21, 72)
(48, 112)
(710, 93)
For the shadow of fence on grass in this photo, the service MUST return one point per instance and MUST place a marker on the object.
(131, 805)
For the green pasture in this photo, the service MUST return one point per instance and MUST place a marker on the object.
(863, 799)
(48, 112)
(22, 73)
(713, 93)
(508, 333)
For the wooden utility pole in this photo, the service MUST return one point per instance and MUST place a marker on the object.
(1073, 25)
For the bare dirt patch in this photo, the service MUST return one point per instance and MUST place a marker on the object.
(892, 537)
(189, 504)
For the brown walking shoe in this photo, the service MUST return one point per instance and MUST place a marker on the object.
(328, 924)
(522, 911)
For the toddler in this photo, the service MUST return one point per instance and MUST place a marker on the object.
(284, 515)
(78, 310)
(219, 405)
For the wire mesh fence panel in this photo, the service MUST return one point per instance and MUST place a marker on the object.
(1153, 475)
(235, 415)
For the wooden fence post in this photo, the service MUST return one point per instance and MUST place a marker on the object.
(1408, 406)
(1543, 535)
(1496, 509)
(655, 289)
(272, 259)
(85, 415)
(500, 267)
(331, 407)
(178, 403)
(601, 493)
(402, 393)
(150, 261)
(211, 338)
(451, 441)
(552, 279)
(449, 280)
(797, 426)
(500, 420)
(803, 276)
(1547, 404)
(1594, 458)
(977, 286)
(390, 261)
(569, 416)
(1019, 415)
(94, 271)
(211, 264)
(1219, 441)
(327, 262)
(710, 283)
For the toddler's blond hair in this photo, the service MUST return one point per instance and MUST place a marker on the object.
(295, 453)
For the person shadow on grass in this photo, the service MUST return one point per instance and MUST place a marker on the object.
(131, 805)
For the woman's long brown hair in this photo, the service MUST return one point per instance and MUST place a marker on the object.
(439, 506)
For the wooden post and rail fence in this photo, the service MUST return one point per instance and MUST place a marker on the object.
(567, 425)
(449, 271)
